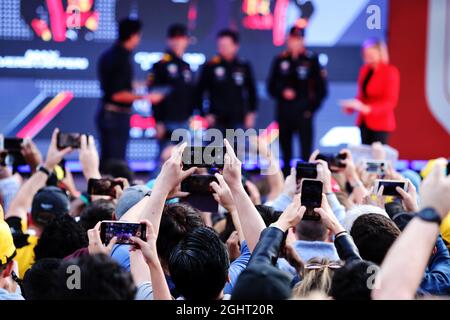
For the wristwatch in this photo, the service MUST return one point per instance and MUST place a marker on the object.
(43, 169)
(430, 215)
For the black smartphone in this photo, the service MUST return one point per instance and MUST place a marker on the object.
(333, 160)
(390, 187)
(13, 145)
(311, 198)
(122, 230)
(198, 184)
(103, 187)
(204, 157)
(306, 170)
(65, 140)
(448, 168)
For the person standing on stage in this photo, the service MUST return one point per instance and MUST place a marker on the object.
(378, 93)
(173, 76)
(230, 87)
(115, 73)
(298, 83)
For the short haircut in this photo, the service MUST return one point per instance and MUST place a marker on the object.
(118, 169)
(352, 282)
(96, 211)
(39, 282)
(129, 27)
(309, 230)
(101, 278)
(199, 265)
(374, 234)
(62, 237)
(177, 220)
(233, 35)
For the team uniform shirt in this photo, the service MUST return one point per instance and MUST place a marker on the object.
(230, 89)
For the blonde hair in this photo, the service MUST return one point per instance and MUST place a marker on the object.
(380, 46)
(315, 280)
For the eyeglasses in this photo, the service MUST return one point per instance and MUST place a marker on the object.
(319, 266)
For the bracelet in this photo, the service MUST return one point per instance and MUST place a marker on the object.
(44, 170)
(340, 234)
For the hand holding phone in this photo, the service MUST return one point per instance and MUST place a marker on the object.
(389, 187)
(334, 160)
(203, 157)
(200, 184)
(66, 140)
(123, 231)
(306, 170)
(311, 198)
(378, 167)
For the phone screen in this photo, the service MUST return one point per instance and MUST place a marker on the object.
(13, 144)
(204, 157)
(389, 187)
(103, 187)
(122, 230)
(198, 184)
(333, 160)
(311, 198)
(65, 140)
(378, 167)
(306, 170)
(448, 168)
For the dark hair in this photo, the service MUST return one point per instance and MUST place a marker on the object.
(351, 282)
(40, 281)
(101, 278)
(129, 27)
(177, 220)
(311, 230)
(373, 235)
(62, 237)
(199, 265)
(96, 211)
(118, 169)
(230, 34)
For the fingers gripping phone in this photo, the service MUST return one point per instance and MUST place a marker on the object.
(333, 160)
(103, 187)
(122, 231)
(389, 187)
(311, 198)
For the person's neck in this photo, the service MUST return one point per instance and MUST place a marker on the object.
(177, 54)
(126, 45)
(228, 59)
(297, 53)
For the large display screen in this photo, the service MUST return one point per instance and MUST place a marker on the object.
(49, 51)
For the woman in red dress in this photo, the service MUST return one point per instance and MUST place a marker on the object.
(378, 92)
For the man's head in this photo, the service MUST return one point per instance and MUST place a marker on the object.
(49, 203)
(373, 235)
(228, 44)
(353, 281)
(178, 39)
(96, 211)
(177, 220)
(309, 230)
(62, 237)
(39, 282)
(199, 265)
(130, 33)
(296, 40)
(100, 278)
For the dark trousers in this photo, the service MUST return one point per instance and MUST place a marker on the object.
(304, 127)
(369, 136)
(114, 130)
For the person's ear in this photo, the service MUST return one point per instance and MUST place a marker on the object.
(8, 270)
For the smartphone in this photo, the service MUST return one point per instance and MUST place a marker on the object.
(390, 187)
(448, 168)
(103, 187)
(306, 170)
(122, 230)
(198, 184)
(65, 140)
(311, 198)
(378, 167)
(203, 157)
(13, 145)
(333, 160)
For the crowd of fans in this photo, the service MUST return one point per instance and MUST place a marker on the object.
(257, 246)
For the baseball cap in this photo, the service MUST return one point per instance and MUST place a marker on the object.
(129, 198)
(49, 202)
(177, 30)
(262, 282)
(7, 248)
(297, 32)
